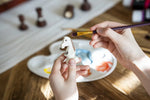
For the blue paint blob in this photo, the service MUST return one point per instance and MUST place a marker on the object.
(85, 55)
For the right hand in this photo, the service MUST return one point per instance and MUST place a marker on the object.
(120, 43)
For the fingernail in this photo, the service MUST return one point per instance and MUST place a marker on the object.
(72, 62)
(99, 31)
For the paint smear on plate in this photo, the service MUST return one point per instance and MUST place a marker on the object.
(104, 66)
(47, 70)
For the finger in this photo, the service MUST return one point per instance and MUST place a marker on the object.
(101, 44)
(82, 67)
(94, 27)
(65, 75)
(106, 24)
(96, 40)
(100, 25)
(109, 24)
(57, 63)
(95, 36)
(106, 39)
(111, 46)
(72, 69)
(64, 68)
(107, 32)
(82, 73)
(99, 40)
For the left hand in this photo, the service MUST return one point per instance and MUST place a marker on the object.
(81, 70)
(63, 82)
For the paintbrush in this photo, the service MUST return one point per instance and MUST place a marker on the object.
(80, 32)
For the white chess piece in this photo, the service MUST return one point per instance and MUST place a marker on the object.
(70, 50)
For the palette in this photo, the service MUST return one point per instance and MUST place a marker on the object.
(102, 63)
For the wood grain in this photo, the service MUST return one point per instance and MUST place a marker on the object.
(20, 84)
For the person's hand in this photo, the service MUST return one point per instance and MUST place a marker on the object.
(120, 43)
(64, 89)
(81, 70)
(63, 78)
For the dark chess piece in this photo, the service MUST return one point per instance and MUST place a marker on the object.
(40, 21)
(147, 37)
(69, 11)
(22, 25)
(85, 6)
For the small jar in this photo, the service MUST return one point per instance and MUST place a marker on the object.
(141, 15)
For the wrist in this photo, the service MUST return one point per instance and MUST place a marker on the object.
(141, 66)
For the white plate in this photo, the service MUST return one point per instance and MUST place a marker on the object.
(39, 63)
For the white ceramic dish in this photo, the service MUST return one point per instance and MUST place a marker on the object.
(39, 63)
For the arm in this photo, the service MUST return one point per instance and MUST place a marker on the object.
(141, 68)
(123, 46)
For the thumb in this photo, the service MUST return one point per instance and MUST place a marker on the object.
(108, 32)
(72, 69)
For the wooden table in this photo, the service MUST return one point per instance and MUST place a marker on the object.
(19, 83)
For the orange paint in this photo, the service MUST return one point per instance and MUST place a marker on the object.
(104, 66)
(89, 72)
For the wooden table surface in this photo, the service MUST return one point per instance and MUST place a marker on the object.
(19, 83)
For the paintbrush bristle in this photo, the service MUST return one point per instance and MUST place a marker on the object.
(74, 34)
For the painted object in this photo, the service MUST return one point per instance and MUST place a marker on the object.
(70, 50)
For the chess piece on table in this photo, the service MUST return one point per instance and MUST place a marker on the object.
(147, 36)
(69, 11)
(85, 6)
(22, 25)
(40, 21)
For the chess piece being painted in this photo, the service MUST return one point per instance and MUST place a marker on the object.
(69, 11)
(70, 50)
(85, 6)
(22, 25)
(40, 21)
